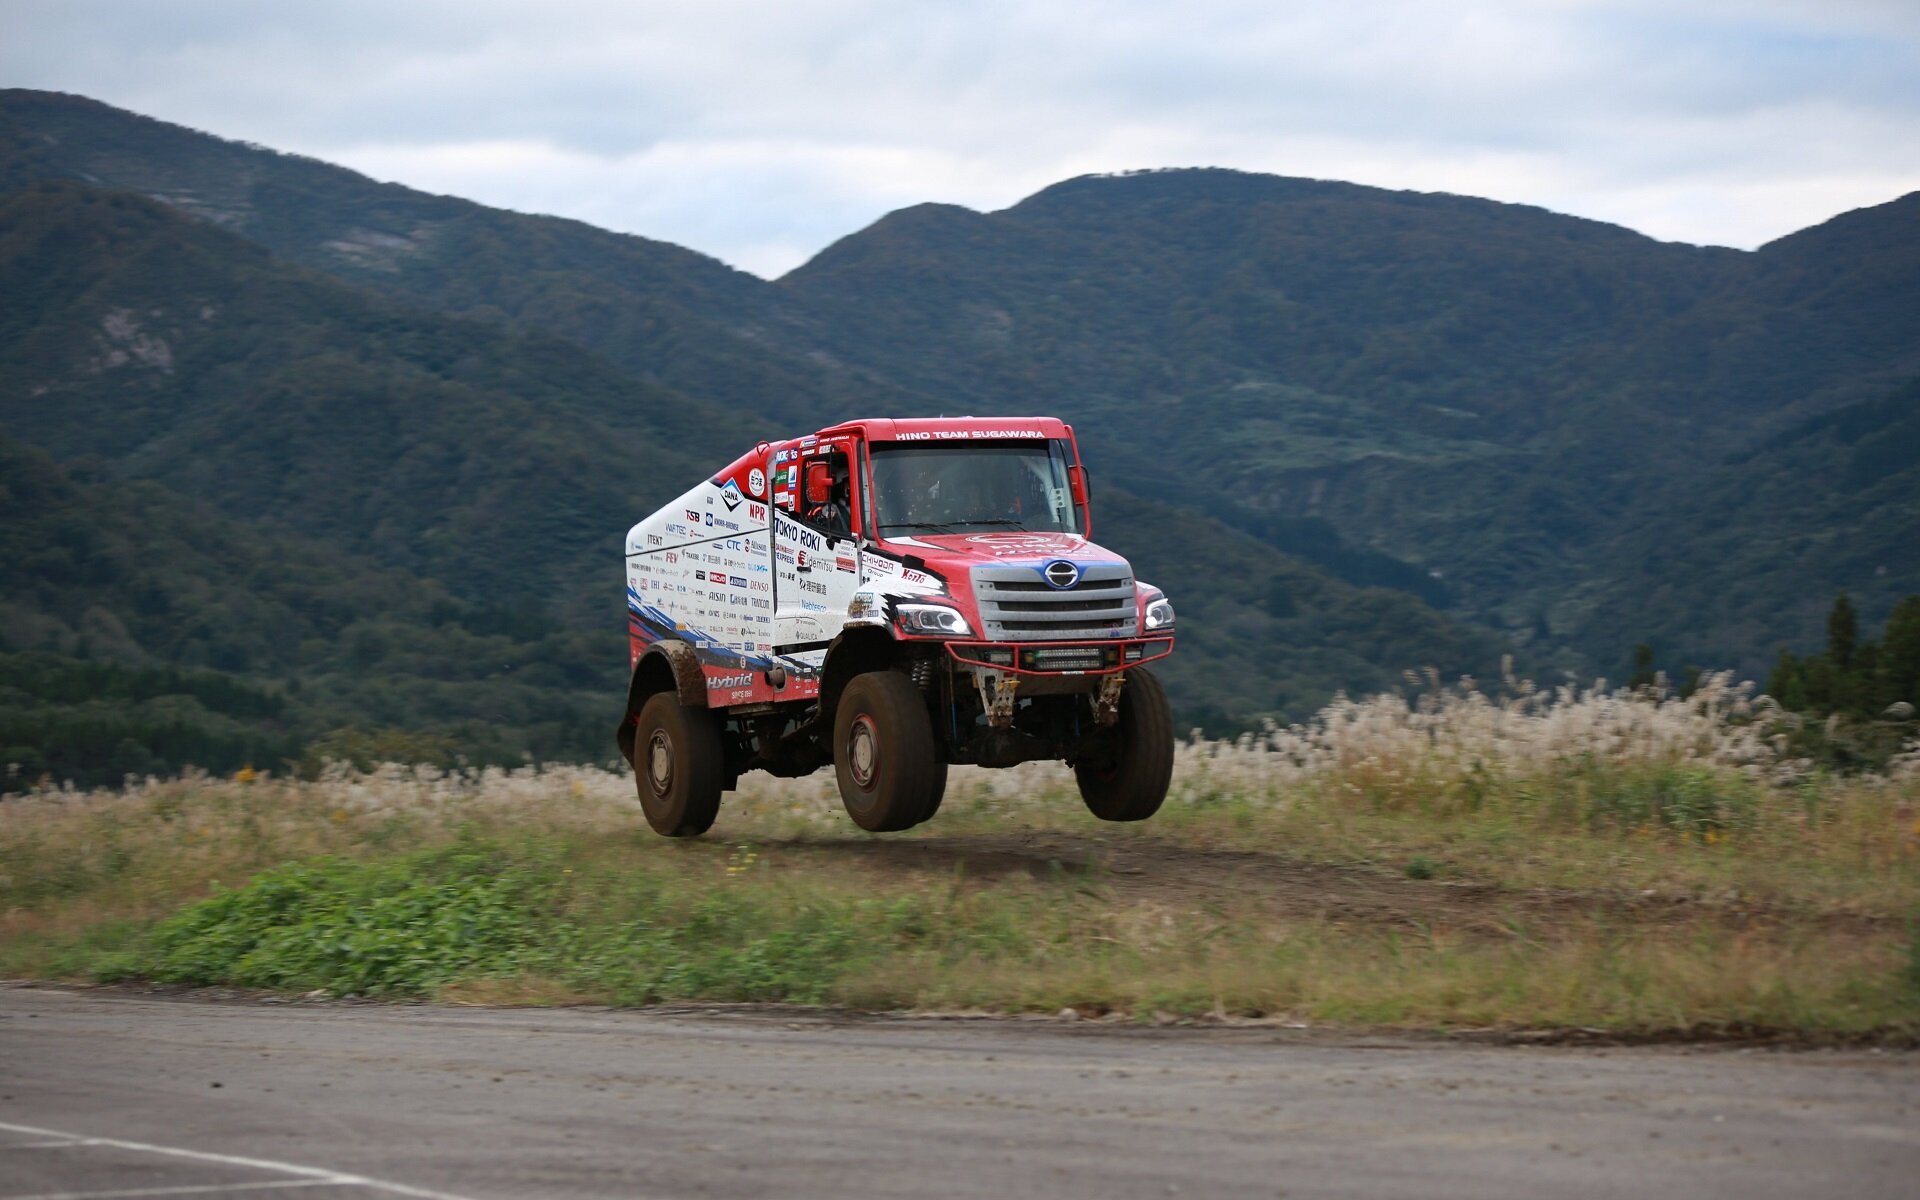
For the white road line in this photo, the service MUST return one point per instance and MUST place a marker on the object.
(201, 1190)
(318, 1175)
(46, 1145)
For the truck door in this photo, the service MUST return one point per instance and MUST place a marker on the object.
(816, 549)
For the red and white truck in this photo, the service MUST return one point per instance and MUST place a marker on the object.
(889, 597)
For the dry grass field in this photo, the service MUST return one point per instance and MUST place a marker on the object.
(1638, 864)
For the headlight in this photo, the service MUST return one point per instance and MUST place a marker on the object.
(936, 620)
(1159, 615)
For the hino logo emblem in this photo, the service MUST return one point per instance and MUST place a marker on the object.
(1061, 574)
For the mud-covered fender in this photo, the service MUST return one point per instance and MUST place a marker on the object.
(666, 666)
(855, 651)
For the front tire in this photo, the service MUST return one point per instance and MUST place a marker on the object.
(936, 794)
(883, 753)
(678, 766)
(1130, 782)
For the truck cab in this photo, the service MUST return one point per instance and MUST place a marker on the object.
(888, 597)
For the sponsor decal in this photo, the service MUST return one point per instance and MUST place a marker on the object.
(1024, 541)
(736, 581)
(700, 575)
(813, 585)
(709, 518)
(693, 515)
(654, 539)
(793, 532)
(964, 435)
(919, 577)
(737, 601)
(756, 512)
(730, 495)
(810, 606)
(744, 679)
(759, 585)
(672, 556)
(756, 482)
(676, 529)
(802, 565)
(760, 602)
(843, 564)
(758, 568)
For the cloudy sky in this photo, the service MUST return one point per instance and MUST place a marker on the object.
(759, 131)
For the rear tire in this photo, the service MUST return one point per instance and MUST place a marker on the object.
(678, 766)
(883, 753)
(1131, 783)
(939, 793)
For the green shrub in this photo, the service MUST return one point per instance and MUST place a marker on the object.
(402, 926)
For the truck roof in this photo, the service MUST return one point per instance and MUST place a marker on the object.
(890, 429)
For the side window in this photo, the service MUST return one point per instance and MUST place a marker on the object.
(826, 493)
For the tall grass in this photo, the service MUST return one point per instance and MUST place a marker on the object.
(543, 885)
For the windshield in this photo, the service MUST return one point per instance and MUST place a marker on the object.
(962, 487)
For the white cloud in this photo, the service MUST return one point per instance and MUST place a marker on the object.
(761, 130)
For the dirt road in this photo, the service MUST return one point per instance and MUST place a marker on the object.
(105, 1093)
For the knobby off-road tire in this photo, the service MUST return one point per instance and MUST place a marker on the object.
(883, 753)
(678, 766)
(1132, 784)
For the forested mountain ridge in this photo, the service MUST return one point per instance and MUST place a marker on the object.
(657, 310)
(144, 632)
(1579, 435)
(1512, 401)
(1485, 404)
(177, 352)
(229, 476)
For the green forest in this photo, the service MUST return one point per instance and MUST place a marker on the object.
(297, 464)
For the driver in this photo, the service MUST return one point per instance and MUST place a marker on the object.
(835, 513)
(991, 499)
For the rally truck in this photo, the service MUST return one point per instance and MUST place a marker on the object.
(889, 597)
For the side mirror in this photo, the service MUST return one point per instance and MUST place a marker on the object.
(1077, 483)
(819, 487)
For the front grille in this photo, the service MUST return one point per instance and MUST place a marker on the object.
(1017, 603)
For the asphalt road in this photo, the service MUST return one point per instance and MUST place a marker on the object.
(113, 1094)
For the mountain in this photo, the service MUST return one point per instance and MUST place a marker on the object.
(137, 336)
(658, 311)
(1333, 408)
(1509, 401)
(250, 505)
(144, 632)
